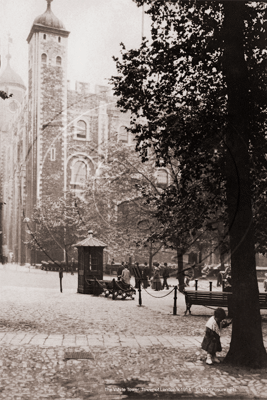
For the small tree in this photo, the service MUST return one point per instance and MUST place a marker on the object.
(59, 225)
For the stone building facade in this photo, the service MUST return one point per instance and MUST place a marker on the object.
(51, 136)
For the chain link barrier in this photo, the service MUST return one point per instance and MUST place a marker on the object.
(158, 297)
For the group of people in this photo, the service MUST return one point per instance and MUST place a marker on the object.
(143, 276)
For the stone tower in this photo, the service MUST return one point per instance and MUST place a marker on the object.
(47, 107)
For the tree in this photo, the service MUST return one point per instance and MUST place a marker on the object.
(199, 83)
(113, 198)
(59, 225)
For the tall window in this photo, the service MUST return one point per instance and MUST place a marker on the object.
(58, 60)
(81, 129)
(44, 36)
(123, 134)
(79, 173)
(162, 178)
(44, 58)
(59, 39)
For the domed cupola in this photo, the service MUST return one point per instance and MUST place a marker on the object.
(49, 19)
(10, 78)
(48, 22)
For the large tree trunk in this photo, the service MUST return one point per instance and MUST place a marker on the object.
(246, 348)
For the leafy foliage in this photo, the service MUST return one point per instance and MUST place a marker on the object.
(175, 88)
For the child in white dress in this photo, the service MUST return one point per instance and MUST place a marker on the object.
(211, 342)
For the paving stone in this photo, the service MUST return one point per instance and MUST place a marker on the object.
(137, 348)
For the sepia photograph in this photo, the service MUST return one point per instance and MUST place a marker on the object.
(133, 199)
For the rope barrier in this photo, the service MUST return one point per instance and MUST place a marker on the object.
(159, 297)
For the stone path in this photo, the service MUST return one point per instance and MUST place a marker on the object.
(136, 352)
(103, 340)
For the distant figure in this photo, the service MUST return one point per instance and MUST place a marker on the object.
(72, 264)
(265, 284)
(156, 282)
(188, 276)
(220, 275)
(205, 271)
(60, 277)
(165, 276)
(145, 276)
(126, 275)
(120, 269)
(136, 271)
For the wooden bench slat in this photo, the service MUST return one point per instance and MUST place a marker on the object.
(209, 298)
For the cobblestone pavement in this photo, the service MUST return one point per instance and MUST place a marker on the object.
(136, 352)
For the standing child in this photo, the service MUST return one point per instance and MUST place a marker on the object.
(211, 342)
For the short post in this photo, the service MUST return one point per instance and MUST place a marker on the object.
(113, 289)
(175, 301)
(60, 279)
(210, 286)
(139, 290)
(196, 281)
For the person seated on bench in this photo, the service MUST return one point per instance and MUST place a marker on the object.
(211, 342)
(223, 275)
(126, 276)
(119, 270)
(205, 271)
(188, 276)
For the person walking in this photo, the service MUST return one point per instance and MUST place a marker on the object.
(137, 275)
(145, 276)
(165, 276)
(72, 263)
(211, 342)
(60, 278)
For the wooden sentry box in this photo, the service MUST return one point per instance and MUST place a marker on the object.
(90, 263)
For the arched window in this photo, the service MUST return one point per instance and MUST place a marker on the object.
(59, 39)
(58, 60)
(79, 173)
(123, 134)
(44, 58)
(44, 36)
(162, 178)
(81, 129)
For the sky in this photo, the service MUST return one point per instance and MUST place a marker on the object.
(97, 27)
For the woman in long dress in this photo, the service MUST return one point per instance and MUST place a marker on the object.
(156, 282)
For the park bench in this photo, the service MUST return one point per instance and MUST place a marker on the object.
(215, 299)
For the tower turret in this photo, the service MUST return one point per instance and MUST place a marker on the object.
(47, 97)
